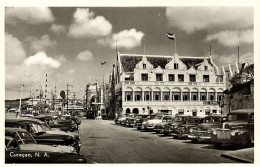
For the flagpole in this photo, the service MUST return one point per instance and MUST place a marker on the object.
(175, 40)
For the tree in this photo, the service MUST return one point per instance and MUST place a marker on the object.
(41, 107)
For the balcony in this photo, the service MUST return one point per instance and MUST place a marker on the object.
(169, 83)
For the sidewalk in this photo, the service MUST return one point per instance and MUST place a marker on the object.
(244, 155)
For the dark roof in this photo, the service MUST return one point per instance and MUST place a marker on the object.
(159, 61)
(129, 62)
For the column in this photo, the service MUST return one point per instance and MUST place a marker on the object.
(133, 95)
(123, 95)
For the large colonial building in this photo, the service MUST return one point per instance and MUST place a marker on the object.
(172, 85)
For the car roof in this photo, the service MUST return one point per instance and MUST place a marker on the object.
(20, 120)
(216, 116)
(196, 117)
(13, 130)
(251, 110)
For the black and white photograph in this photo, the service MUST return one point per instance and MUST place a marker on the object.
(122, 83)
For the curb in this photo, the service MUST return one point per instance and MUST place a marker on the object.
(239, 155)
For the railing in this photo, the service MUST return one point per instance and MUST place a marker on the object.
(168, 83)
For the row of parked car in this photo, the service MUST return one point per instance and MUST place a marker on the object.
(237, 127)
(43, 139)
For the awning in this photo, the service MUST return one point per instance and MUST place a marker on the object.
(194, 110)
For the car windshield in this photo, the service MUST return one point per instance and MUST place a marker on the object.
(36, 128)
(212, 119)
(158, 117)
(238, 117)
(46, 127)
(179, 119)
(24, 137)
(167, 119)
(192, 121)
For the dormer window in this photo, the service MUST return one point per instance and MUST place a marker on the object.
(176, 66)
(206, 68)
(144, 66)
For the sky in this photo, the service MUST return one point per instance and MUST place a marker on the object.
(69, 43)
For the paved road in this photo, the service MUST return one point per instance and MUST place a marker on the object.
(105, 142)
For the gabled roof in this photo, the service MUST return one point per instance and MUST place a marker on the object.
(129, 61)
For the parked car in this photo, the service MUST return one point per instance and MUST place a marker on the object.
(203, 131)
(125, 121)
(183, 130)
(57, 122)
(239, 129)
(35, 128)
(139, 121)
(21, 147)
(150, 124)
(158, 128)
(178, 120)
(131, 121)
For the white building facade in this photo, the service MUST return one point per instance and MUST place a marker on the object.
(171, 85)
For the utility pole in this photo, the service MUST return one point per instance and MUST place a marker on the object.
(20, 104)
(68, 96)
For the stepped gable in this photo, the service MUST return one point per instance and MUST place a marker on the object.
(195, 62)
(129, 62)
(159, 61)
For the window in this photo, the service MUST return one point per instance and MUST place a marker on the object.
(194, 96)
(176, 96)
(171, 77)
(159, 77)
(205, 78)
(166, 96)
(180, 78)
(138, 95)
(128, 96)
(186, 96)
(147, 95)
(220, 96)
(203, 96)
(211, 96)
(206, 68)
(176, 66)
(192, 78)
(157, 96)
(144, 77)
(144, 66)
(214, 111)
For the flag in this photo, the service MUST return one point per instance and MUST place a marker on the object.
(170, 36)
(102, 63)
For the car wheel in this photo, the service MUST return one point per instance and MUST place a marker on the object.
(175, 137)
(218, 145)
(194, 140)
(165, 134)
(157, 132)
(245, 141)
(138, 128)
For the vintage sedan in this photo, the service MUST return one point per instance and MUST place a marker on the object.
(178, 120)
(159, 127)
(20, 147)
(150, 124)
(37, 130)
(239, 129)
(203, 131)
(144, 118)
(182, 131)
(57, 122)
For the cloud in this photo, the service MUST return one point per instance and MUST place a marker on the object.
(85, 56)
(61, 58)
(232, 38)
(14, 51)
(30, 15)
(30, 71)
(125, 39)
(201, 18)
(231, 58)
(41, 59)
(57, 28)
(85, 24)
(41, 44)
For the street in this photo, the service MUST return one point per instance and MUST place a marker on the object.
(105, 142)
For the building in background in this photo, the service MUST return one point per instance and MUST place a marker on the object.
(146, 84)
